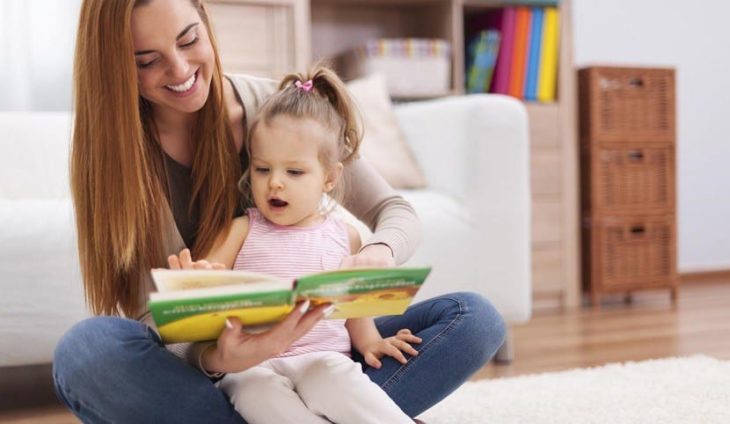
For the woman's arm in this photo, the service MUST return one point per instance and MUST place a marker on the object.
(396, 228)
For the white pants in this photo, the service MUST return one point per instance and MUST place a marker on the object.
(319, 387)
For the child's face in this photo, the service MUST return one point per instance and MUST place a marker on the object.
(287, 177)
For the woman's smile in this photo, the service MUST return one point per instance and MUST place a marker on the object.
(186, 88)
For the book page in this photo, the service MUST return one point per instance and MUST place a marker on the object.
(168, 280)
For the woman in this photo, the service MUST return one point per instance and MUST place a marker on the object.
(157, 150)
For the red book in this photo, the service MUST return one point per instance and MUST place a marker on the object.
(504, 60)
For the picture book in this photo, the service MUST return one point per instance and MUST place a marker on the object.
(192, 305)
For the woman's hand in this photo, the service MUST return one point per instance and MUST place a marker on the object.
(185, 261)
(238, 350)
(391, 346)
(371, 256)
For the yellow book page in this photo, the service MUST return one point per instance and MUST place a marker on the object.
(209, 326)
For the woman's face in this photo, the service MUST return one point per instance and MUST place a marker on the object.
(173, 53)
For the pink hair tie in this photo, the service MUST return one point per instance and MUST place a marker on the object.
(304, 86)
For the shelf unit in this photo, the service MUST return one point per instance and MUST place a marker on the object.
(276, 36)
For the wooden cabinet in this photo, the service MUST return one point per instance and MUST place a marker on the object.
(290, 34)
(628, 180)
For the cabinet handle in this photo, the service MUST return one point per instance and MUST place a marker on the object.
(637, 230)
(636, 155)
(636, 82)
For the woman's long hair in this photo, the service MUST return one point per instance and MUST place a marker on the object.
(118, 176)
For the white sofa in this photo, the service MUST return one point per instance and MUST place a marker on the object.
(473, 151)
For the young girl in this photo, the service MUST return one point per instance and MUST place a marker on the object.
(300, 142)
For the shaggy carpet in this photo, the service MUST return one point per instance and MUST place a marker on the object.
(683, 390)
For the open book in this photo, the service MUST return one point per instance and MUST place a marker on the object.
(192, 305)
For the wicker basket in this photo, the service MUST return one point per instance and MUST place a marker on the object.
(627, 104)
(631, 253)
(629, 180)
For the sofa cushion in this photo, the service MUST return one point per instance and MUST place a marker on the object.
(383, 143)
(42, 294)
(447, 244)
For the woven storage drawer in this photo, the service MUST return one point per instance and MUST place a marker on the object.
(630, 180)
(627, 104)
(633, 252)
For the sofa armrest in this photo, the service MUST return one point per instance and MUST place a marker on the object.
(476, 149)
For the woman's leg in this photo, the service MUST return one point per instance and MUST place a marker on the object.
(109, 369)
(460, 332)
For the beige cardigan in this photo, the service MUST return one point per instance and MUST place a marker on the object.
(371, 200)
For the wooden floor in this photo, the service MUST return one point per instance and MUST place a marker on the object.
(648, 327)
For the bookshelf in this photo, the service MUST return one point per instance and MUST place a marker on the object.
(281, 35)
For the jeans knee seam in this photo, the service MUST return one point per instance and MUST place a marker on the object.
(404, 368)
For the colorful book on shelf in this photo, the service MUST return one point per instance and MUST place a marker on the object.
(483, 50)
(192, 305)
(554, 3)
(504, 59)
(519, 52)
(533, 57)
(548, 69)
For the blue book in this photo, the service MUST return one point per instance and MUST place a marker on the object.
(482, 55)
(533, 55)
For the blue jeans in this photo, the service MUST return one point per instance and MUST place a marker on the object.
(115, 370)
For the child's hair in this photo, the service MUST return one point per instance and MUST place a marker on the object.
(319, 95)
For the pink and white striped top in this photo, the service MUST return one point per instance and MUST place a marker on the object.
(290, 252)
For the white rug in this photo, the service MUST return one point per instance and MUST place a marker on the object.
(674, 390)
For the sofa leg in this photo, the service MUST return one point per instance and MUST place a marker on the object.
(505, 354)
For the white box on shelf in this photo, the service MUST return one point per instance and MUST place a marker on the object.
(413, 67)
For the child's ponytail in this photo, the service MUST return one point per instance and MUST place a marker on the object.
(328, 87)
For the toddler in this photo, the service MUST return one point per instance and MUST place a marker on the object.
(299, 144)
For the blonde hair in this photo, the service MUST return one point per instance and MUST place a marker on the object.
(327, 102)
(118, 176)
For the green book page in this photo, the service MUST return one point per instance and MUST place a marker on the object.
(203, 318)
(363, 292)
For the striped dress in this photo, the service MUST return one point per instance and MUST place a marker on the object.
(290, 252)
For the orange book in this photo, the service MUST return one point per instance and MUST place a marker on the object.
(519, 54)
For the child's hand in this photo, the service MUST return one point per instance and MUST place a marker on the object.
(391, 346)
(185, 261)
(371, 256)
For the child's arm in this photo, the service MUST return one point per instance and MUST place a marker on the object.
(365, 336)
(223, 253)
(227, 245)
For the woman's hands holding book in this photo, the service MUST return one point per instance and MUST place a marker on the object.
(238, 350)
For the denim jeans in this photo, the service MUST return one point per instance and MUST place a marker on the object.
(115, 370)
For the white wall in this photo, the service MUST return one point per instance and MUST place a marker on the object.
(693, 38)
